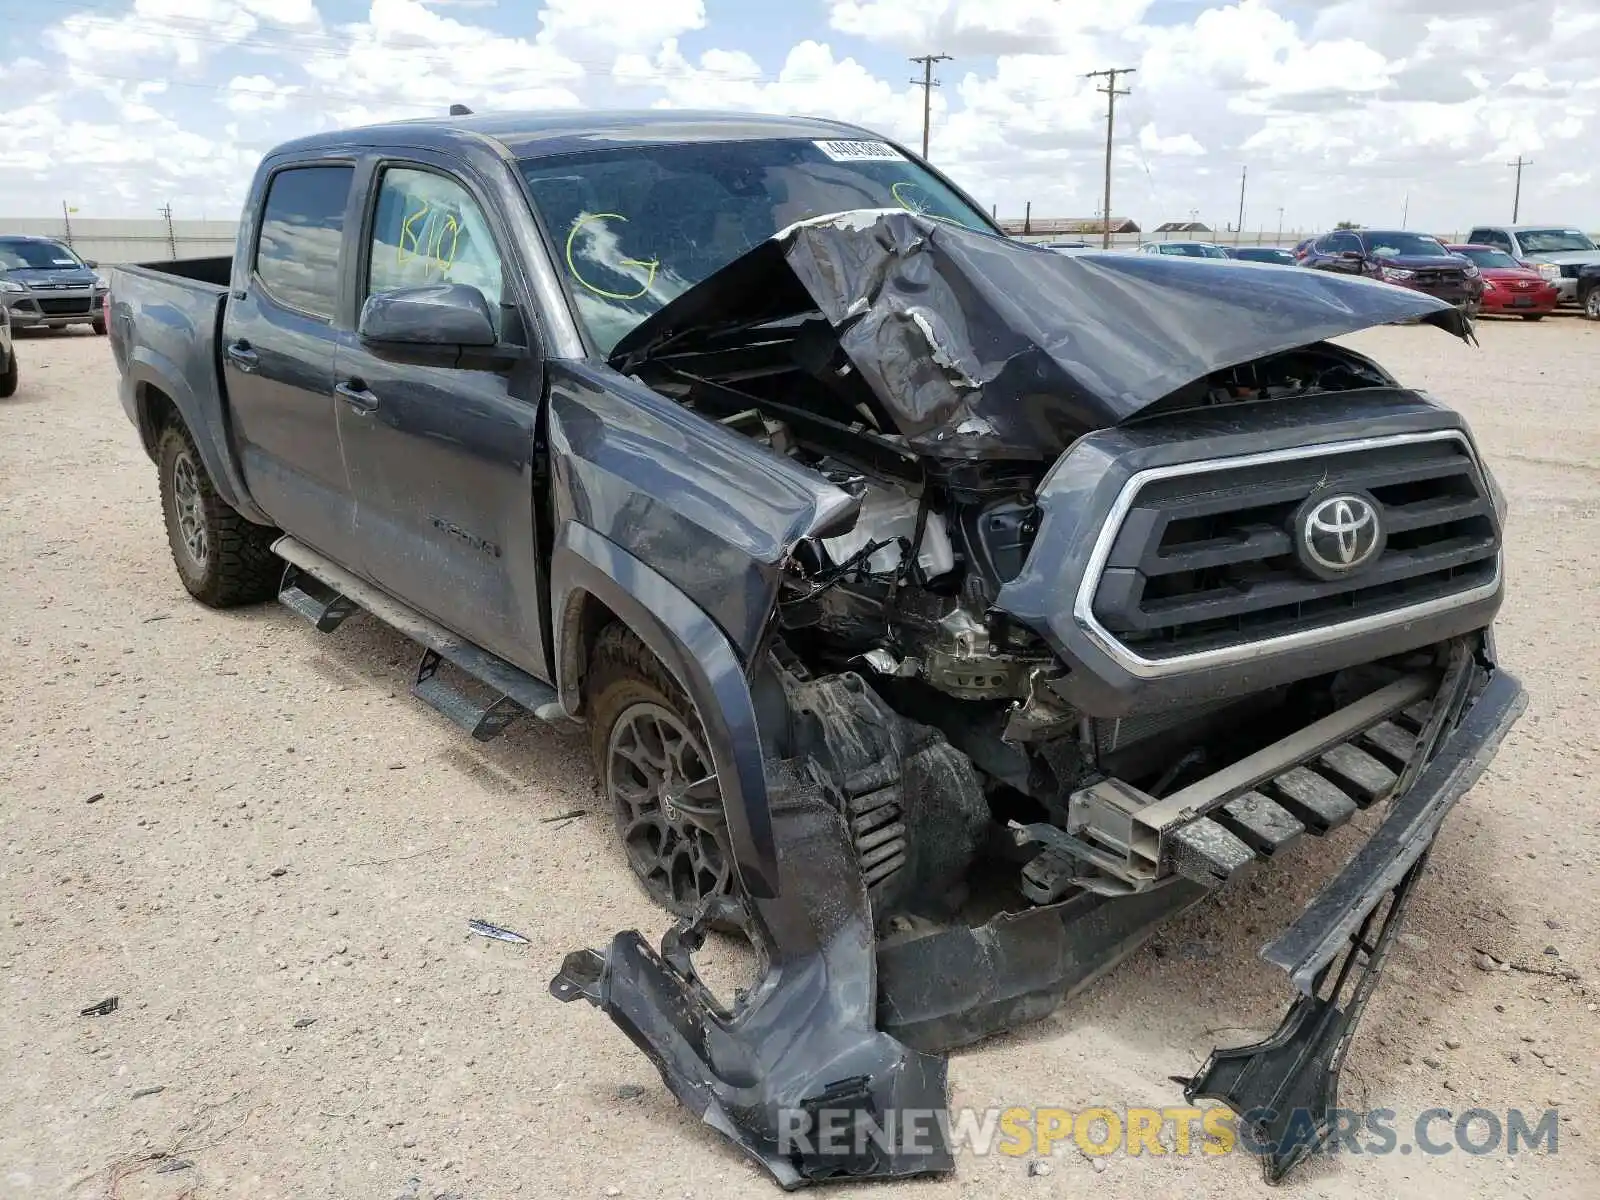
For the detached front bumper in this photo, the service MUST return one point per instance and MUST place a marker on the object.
(844, 1035)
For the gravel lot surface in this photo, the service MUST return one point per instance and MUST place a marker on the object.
(251, 835)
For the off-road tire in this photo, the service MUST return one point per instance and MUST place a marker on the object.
(236, 565)
(622, 676)
(99, 326)
(8, 378)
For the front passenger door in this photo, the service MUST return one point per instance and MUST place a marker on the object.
(441, 458)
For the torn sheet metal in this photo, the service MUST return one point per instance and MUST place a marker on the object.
(796, 1073)
(981, 346)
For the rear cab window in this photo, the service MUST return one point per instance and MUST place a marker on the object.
(300, 235)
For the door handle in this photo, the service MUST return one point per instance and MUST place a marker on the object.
(355, 394)
(243, 357)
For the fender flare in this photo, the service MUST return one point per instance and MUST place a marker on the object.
(700, 657)
(149, 370)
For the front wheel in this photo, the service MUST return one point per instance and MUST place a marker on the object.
(1591, 304)
(99, 326)
(648, 747)
(8, 378)
(222, 559)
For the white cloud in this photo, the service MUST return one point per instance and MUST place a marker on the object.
(249, 94)
(984, 26)
(1182, 144)
(1340, 108)
(584, 26)
(811, 81)
(406, 60)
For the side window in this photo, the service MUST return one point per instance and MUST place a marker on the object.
(1340, 242)
(428, 229)
(297, 247)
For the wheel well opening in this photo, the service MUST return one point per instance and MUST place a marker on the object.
(585, 617)
(156, 411)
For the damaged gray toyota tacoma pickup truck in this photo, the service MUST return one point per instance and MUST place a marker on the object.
(946, 613)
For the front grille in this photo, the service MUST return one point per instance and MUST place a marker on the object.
(1206, 560)
(53, 307)
(1440, 278)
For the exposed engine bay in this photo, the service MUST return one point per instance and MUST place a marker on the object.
(905, 600)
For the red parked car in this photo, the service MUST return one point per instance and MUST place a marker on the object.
(1510, 289)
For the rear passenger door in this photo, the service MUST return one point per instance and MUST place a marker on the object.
(277, 348)
(443, 459)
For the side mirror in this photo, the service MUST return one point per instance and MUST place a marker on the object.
(90, 263)
(440, 317)
(1349, 256)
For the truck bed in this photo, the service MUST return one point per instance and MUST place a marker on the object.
(166, 334)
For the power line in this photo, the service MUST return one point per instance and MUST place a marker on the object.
(927, 83)
(1516, 200)
(1111, 92)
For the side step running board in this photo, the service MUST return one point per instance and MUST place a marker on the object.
(325, 594)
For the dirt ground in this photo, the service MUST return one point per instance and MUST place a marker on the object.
(251, 835)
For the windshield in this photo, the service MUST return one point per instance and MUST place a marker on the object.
(1553, 241)
(17, 254)
(635, 228)
(1404, 245)
(1194, 250)
(1486, 257)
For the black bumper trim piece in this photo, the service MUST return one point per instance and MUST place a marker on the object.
(1322, 931)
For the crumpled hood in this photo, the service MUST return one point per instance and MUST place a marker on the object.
(981, 346)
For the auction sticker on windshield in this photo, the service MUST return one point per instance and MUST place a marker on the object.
(860, 151)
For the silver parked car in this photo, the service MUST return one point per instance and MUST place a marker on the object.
(1186, 249)
(45, 285)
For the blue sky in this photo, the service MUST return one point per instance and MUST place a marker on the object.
(1342, 109)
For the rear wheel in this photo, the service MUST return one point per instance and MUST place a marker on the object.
(99, 326)
(8, 377)
(222, 559)
(648, 746)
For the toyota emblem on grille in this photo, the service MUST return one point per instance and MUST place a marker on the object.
(1338, 535)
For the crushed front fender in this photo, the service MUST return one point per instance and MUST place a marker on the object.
(796, 1074)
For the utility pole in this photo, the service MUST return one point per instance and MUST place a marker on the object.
(927, 83)
(1405, 211)
(66, 219)
(1516, 201)
(1111, 92)
(1279, 239)
(1243, 174)
(172, 241)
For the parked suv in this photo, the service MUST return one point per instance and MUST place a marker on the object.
(46, 285)
(1410, 260)
(1558, 252)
